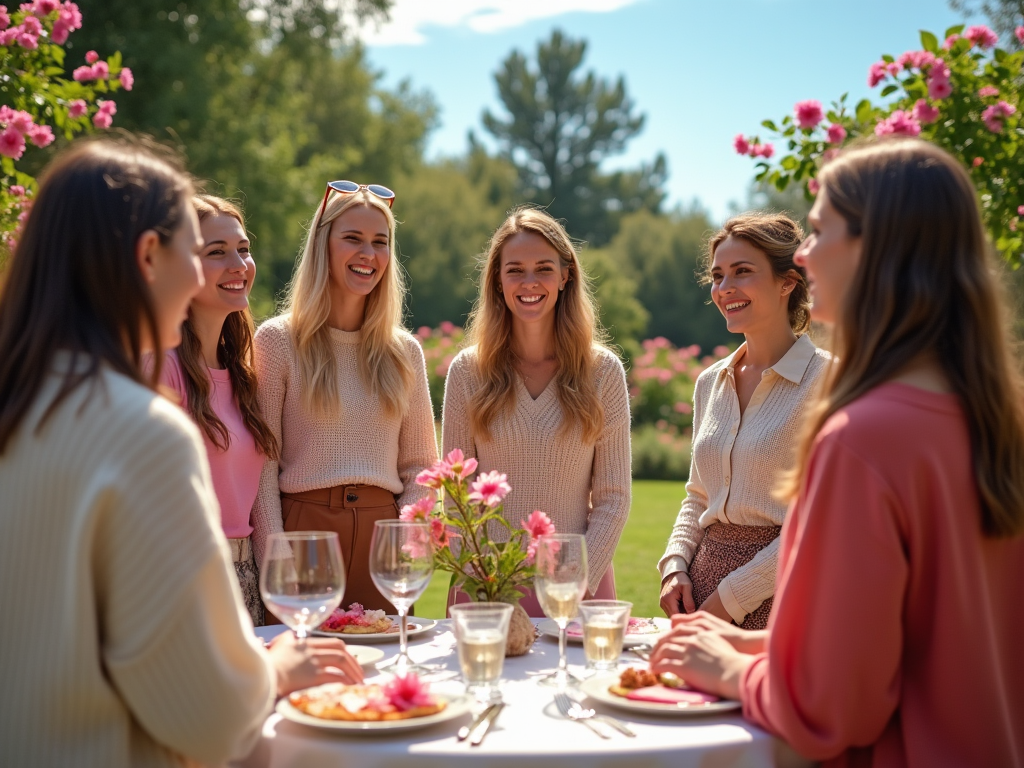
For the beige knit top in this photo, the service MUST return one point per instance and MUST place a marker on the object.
(125, 641)
(583, 488)
(736, 463)
(362, 447)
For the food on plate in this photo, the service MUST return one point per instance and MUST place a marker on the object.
(358, 621)
(644, 685)
(631, 679)
(636, 626)
(402, 698)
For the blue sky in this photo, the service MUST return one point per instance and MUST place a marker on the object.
(701, 71)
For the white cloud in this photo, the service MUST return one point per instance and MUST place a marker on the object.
(410, 18)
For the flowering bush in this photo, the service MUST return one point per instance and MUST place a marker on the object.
(963, 94)
(37, 102)
(486, 570)
(440, 346)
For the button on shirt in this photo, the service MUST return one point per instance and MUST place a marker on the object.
(736, 462)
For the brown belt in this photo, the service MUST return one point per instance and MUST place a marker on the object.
(241, 549)
(345, 496)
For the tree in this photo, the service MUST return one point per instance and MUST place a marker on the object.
(560, 126)
(1004, 15)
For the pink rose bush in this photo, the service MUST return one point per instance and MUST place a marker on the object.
(962, 94)
(440, 346)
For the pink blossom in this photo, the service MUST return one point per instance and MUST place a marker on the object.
(939, 88)
(836, 133)
(77, 108)
(106, 106)
(876, 73)
(981, 36)
(21, 120)
(740, 144)
(916, 59)
(1020, 210)
(950, 41)
(489, 488)
(993, 115)
(977, 161)
(458, 465)
(46, 7)
(60, 32)
(423, 331)
(420, 510)
(830, 154)
(428, 478)
(91, 57)
(83, 74)
(939, 70)
(988, 90)
(683, 408)
(893, 68)
(41, 135)
(439, 533)
(924, 113)
(17, 190)
(12, 143)
(762, 150)
(1019, 32)
(447, 327)
(537, 524)
(28, 41)
(32, 26)
(8, 36)
(100, 70)
(102, 120)
(1013, 225)
(5, 19)
(899, 123)
(808, 113)
(407, 692)
(70, 15)
(813, 186)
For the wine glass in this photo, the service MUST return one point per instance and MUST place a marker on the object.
(560, 584)
(401, 564)
(302, 579)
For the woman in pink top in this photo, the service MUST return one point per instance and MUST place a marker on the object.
(896, 633)
(212, 372)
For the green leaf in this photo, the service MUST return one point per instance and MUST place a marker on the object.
(1000, 55)
(782, 182)
(114, 62)
(769, 125)
(929, 41)
(864, 111)
(889, 90)
(954, 30)
(789, 162)
(887, 58)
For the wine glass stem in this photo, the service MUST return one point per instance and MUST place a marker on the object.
(403, 644)
(300, 636)
(563, 666)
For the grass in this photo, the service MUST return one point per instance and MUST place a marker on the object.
(655, 505)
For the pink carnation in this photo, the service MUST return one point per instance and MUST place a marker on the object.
(5, 19)
(127, 78)
(40, 135)
(102, 120)
(21, 120)
(899, 123)
(808, 113)
(876, 73)
(489, 488)
(17, 190)
(420, 510)
(28, 41)
(740, 144)
(32, 26)
(1019, 32)
(405, 693)
(939, 88)
(924, 113)
(836, 133)
(70, 15)
(91, 57)
(12, 143)
(429, 478)
(77, 108)
(988, 90)
(457, 466)
(981, 36)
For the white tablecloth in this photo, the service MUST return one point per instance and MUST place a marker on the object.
(529, 732)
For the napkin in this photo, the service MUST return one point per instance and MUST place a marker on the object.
(660, 694)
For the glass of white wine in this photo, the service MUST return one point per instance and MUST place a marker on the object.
(401, 564)
(604, 631)
(302, 579)
(560, 583)
(481, 631)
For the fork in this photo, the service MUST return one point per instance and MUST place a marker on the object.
(565, 706)
(576, 711)
(642, 650)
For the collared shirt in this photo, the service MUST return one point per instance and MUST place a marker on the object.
(736, 461)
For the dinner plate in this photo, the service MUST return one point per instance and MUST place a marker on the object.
(550, 628)
(457, 706)
(365, 655)
(421, 626)
(597, 688)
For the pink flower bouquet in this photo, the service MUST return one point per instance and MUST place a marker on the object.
(486, 570)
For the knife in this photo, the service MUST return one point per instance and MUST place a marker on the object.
(465, 730)
(485, 725)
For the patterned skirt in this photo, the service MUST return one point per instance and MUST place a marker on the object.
(249, 581)
(723, 549)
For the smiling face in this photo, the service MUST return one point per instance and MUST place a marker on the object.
(831, 257)
(227, 266)
(174, 274)
(531, 276)
(746, 290)
(359, 249)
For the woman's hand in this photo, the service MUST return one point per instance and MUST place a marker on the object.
(715, 606)
(743, 640)
(319, 660)
(677, 594)
(705, 660)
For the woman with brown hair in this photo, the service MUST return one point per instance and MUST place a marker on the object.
(896, 634)
(212, 373)
(723, 551)
(539, 397)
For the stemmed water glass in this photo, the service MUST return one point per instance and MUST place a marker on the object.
(560, 583)
(302, 579)
(401, 564)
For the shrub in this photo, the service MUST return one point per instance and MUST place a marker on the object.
(660, 454)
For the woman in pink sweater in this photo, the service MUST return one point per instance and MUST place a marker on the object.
(213, 375)
(896, 634)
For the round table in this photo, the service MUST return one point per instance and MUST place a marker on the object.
(529, 731)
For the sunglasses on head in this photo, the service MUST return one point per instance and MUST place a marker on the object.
(345, 187)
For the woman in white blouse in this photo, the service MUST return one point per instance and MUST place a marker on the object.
(721, 555)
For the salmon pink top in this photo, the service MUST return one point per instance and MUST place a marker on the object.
(236, 470)
(897, 633)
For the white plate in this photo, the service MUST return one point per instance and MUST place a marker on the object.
(422, 625)
(365, 655)
(457, 706)
(550, 628)
(597, 688)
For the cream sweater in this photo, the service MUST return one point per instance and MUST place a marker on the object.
(363, 447)
(124, 639)
(584, 488)
(736, 462)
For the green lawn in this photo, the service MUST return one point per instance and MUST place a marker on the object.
(655, 504)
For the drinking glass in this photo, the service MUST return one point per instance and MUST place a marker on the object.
(401, 564)
(302, 579)
(560, 584)
(604, 630)
(481, 631)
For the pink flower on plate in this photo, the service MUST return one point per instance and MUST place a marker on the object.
(77, 108)
(91, 57)
(12, 143)
(808, 113)
(102, 120)
(899, 123)
(1019, 33)
(836, 134)
(459, 466)
(431, 478)
(939, 88)
(740, 144)
(407, 692)
(420, 510)
(925, 113)
(489, 488)
(988, 90)
(127, 78)
(981, 36)
(876, 73)
(41, 135)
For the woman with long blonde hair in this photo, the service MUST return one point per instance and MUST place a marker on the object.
(344, 387)
(539, 397)
(896, 633)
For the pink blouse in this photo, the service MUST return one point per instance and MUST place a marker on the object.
(897, 635)
(236, 470)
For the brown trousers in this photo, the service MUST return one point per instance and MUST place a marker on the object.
(350, 511)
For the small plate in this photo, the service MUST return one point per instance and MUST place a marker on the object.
(457, 706)
(550, 628)
(421, 626)
(597, 688)
(365, 655)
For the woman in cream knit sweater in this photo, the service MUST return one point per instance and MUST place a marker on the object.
(343, 388)
(723, 551)
(538, 398)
